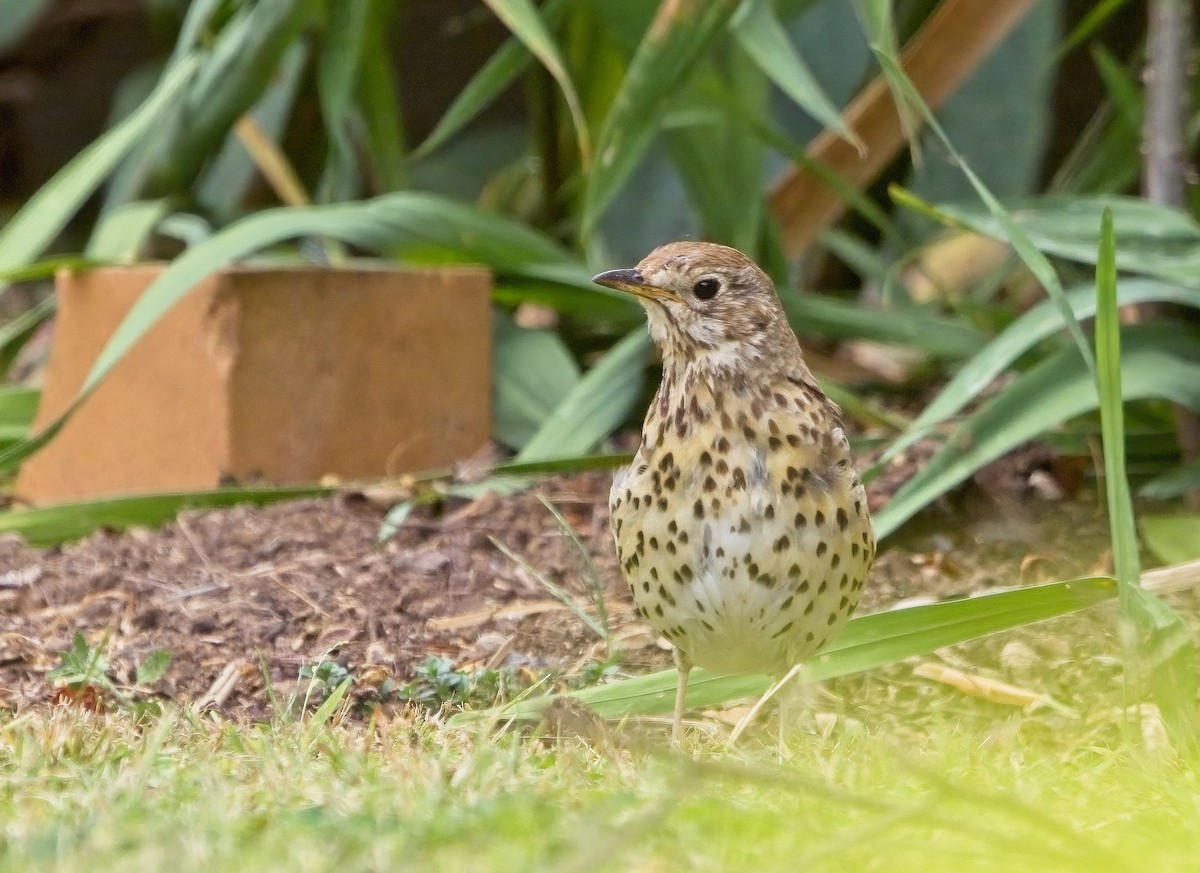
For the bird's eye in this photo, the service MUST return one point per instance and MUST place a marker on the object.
(706, 289)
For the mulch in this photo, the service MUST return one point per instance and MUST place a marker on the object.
(239, 595)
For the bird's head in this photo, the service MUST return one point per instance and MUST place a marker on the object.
(708, 305)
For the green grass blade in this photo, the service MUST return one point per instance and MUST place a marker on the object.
(764, 39)
(1112, 414)
(596, 406)
(1163, 640)
(47, 212)
(238, 69)
(722, 168)
(49, 525)
(222, 188)
(671, 47)
(1160, 361)
(868, 642)
(523, 19)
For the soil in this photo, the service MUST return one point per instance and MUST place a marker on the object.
(243, 594)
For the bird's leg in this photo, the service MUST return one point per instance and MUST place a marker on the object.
(683, 664)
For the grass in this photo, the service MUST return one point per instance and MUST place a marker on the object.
(886, 772)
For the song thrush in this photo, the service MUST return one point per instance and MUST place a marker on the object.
(741, 524)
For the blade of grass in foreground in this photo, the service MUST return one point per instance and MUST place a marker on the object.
(868, 642)
(1162, 646)
(48, 525)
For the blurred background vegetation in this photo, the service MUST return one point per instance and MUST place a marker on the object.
(549, 140)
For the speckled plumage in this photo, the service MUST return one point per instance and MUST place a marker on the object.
(741, 524)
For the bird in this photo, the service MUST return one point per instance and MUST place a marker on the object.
(741, 524)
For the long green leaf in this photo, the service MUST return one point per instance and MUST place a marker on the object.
(534, 373)
(19, 17)
(500, 71)
(522, 18)
(1039, 323)
(765, 40)
(337, 75)
(596, 406)
(1112, 413)
(868, 642)
(1160, 242)
(1159, 361)
(17, 332)
(674, 42)
(1029, 253)
(1165, 639)
(47, 212)
(378, 102)
(55, 524)
(827, 316)
(120, 233)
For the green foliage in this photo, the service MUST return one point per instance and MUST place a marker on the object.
(85, 670)
(437, 682)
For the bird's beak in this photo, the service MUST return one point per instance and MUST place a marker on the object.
(632, 282)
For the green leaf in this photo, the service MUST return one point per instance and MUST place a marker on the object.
(154, 667)
(868, 642)
(1173, 539)
(533, 373)
(522, 18)
(1112, 412)
(48, 525)
(674, 42)
(723, 168)
(1159, 361)
(500, 71)
(1174, 483)
(18, 406)
(17, 332)
(221, 189)
(236, 72)
(1155, 240)
(1036, 325)
(1013, 232)
(337, 75)
(830, 317)
(47, 212)
(120, 233)
(378, 101)
(596, 406)
(19, 16)
(765, 40)
(330, 704)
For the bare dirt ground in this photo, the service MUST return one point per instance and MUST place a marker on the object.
(240, 594)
